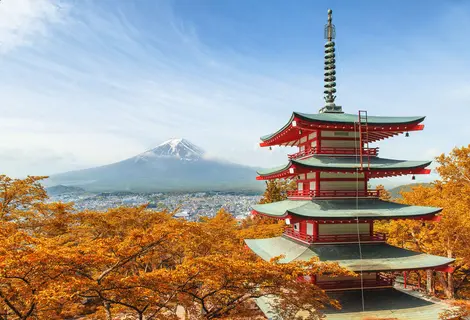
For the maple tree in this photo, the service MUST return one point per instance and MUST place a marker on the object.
(57, 263)
(260, 226)
(449, 236)
(384, 194)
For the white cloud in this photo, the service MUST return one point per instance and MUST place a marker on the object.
(21, 21)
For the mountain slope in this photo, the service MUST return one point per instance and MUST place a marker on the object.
(175, 165)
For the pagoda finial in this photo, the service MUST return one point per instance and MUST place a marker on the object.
(330, 72)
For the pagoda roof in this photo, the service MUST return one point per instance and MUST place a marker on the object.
(386, 303)
(375, 257)
(344, 209)
(347, 119)
(326, 163)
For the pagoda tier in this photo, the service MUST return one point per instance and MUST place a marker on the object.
(383, 303)
(376, 257)
(320, 124)
(374, 168)
(343, 210)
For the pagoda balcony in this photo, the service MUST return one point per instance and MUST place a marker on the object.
(308, 194)
(382, 281)
(334, 238)
(373, 152)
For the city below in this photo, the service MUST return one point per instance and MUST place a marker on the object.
(190, 206)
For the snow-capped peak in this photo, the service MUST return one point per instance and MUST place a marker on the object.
(177, 148)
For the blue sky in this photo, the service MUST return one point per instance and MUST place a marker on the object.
(86, 83)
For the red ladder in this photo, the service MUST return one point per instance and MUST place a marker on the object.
(363, 139)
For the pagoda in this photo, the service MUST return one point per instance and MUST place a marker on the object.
(331, 213)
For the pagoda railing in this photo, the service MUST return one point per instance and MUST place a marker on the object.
(334, 151)
(333, 193)
(380, 281)
(333, 238)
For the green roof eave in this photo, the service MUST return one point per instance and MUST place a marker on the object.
(269, 171)
(269, 136)
(353, 163)
(349, 118)
(345, 118)
(375, 257)
(342, 163)
(338, 209)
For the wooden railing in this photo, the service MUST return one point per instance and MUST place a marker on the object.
(380, 281)
(333, 193)
(375, 237)
(335, 151)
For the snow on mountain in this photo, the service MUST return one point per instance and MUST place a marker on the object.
(175, 148)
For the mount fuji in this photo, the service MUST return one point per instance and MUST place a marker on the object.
(175, 165)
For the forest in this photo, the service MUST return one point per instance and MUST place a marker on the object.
(137, 263)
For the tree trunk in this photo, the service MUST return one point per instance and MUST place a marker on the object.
(429, 282)
(450, 285)
(418, 274)
(107, 308)
(450, 279)
(447, 284)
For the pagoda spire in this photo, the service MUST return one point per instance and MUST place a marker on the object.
(330, 72)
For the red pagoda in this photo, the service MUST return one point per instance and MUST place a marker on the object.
(331, 214)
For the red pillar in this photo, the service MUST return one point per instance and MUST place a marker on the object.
(303, 227)
(317, 181)
(366, 180)
(318, 140)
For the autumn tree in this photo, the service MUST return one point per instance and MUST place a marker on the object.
(34, 256)
(259, 226)
(384, 194)
(276, 190)
(450, 236)
(57, 263)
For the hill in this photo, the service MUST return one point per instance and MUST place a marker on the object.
(61, 189)
(395, 192)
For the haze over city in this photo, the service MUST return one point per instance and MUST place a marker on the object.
(88, 83)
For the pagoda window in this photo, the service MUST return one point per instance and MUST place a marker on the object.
(302, 148)
(312, 136)
(303, 140)
(353, 176)
(342, 185)
(310, 228)
(311, 175)
(312, 185)
(334, 139)
(343, 228)
(300, 186)
(341, 134)
(297, 226)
